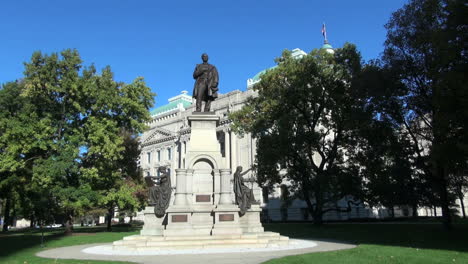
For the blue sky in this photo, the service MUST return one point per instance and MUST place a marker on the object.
(163, 40)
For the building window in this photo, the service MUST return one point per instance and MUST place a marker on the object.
(148, 174)
(169, 154)
(148, 155)
(158, 173)
(159, 155)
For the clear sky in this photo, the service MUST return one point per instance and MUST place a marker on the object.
(163, 40)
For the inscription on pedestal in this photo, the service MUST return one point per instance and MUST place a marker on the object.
(179, 218)
(226, 217)
(203, 198)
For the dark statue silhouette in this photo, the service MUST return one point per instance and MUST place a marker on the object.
(244, 195)
(159, 191)
(206, 84)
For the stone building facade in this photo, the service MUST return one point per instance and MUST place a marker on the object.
(166, 140)
(165, 144)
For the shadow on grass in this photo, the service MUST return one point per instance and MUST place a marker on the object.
(14, 242)
(415, 235)
(18, 240)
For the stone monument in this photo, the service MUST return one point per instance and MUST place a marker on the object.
(202, 213)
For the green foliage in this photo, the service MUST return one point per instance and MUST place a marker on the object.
(304, 118)
(426, 51)
(68, 135)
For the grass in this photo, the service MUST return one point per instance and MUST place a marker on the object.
(392, 243)
(382, 243)
(20, 247)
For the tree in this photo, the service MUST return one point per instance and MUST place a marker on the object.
(459, 184)
(64, 131)
(381, 150)
(426, 49)
(16, 139)
(305, 117)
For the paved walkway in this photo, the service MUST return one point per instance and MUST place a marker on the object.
(75, 252)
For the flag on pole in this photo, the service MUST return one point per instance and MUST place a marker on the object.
(324, 32)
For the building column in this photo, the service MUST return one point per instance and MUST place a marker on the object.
(181, 185)
(234, 163)
(227, 149)
(225, 181)
(179, 154)
(183, 149)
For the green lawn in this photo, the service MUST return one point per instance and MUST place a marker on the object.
(21, 247)
(382, 243)
(415, 242)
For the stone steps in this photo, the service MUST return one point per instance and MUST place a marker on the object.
(247, 240)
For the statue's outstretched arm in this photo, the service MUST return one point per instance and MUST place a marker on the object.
(245, 172)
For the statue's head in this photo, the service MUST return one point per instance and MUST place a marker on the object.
(204, 57)
(162, 169)
(239, 169)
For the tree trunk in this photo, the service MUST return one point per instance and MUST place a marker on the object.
(415, 210)
(6, 218)
(445, 203)
(462, 206)
(31, 224)
(316, 216)
(69, 225)
(110, 213)
(392, 211)
(435, 211)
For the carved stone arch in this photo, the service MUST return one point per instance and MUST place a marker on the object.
(199, 157)
(203, 163)
(203, 179)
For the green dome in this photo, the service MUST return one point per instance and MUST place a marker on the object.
(170, 106)
(327, 46)
(258, 75)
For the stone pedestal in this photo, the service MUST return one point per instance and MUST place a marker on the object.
(203, 144)
(250, 222)
(203, 213)
(153, 225)
(226, 218)
(197, 185)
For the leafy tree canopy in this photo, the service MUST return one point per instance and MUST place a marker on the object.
(70, 133)
(304, 118)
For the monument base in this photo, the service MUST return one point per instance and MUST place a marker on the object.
(249, 240)
(228, 231)
(250, 222)
(154, 226)
(203, 214)
(226, 218)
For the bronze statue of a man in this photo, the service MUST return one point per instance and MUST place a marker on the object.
(206, 84)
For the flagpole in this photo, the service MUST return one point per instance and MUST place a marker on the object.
(324, 32)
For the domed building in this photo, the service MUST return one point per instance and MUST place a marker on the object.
(295, 53)
(328, 48)
(165, 143)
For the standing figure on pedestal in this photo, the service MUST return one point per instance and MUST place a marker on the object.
(244, 195)
(206, 84)
(159, 191)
